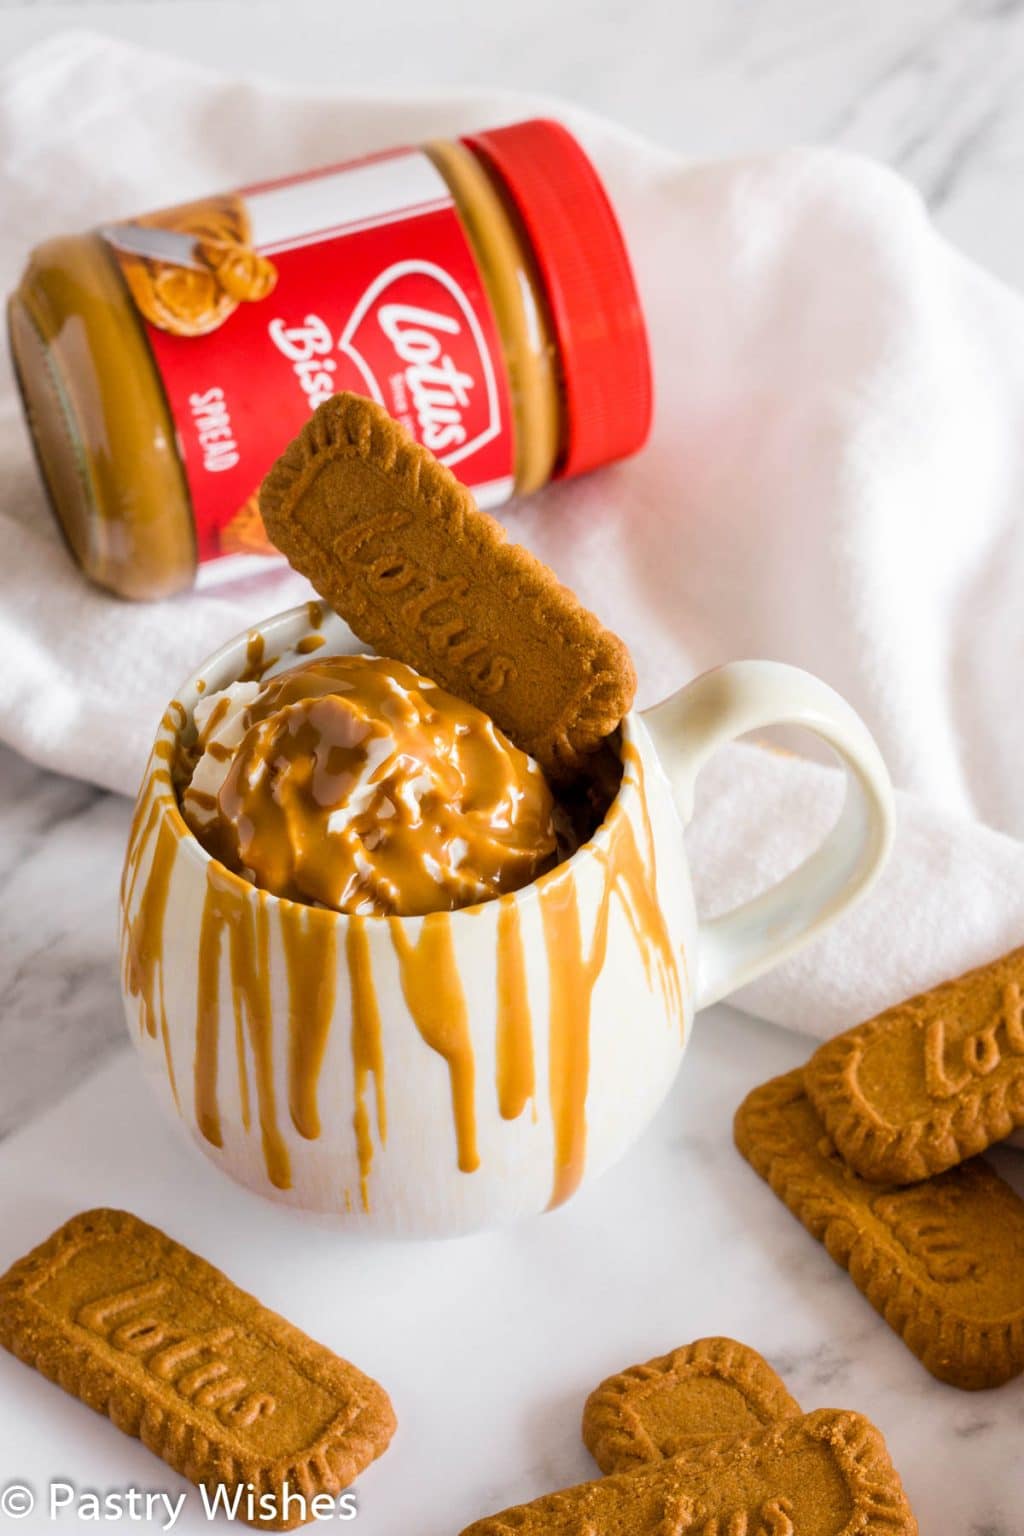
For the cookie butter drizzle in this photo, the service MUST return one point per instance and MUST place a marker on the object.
(573, 969)
(367, 1049)
(142, 956)
(430, 983)
(310, 946)
(434, 996)
(257, 662)
(514, 1045)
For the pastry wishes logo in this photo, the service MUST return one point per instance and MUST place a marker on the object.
(159, 1510)
(414, 344)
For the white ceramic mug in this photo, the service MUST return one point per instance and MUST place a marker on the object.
(437, 1075)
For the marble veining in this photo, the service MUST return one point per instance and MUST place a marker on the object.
(490, 1345)
(60, 859)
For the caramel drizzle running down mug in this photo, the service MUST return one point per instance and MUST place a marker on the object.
(441, 1074)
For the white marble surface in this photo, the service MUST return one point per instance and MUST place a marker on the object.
(490, 1346)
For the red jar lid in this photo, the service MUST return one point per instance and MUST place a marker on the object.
(595, 307)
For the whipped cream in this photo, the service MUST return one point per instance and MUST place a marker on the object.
(355, 783)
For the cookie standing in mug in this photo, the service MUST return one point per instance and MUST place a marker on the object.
(388, 969)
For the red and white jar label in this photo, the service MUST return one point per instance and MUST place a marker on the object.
(357, 278)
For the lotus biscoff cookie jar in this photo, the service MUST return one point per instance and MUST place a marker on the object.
(479, 289)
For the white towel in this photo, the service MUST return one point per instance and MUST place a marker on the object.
(835, 479)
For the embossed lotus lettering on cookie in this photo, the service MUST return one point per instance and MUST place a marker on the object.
(399, 548)
(437, 609)
(706, 1441)
(930, 1221)
(952, 1059)
(942, 1262)
(144, 1322)
(225, 1391)
(824, 1474)
(929, 1082)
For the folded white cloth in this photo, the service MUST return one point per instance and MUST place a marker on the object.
(835, 479)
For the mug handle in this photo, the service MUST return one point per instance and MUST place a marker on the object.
(748, 696)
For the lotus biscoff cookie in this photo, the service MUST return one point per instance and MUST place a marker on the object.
(823, 1474)
(943, 1261)
(712, 1389)
(228, 1393)
(399, 548)
(929, 1082)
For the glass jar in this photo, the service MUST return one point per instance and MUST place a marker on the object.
(478, 288)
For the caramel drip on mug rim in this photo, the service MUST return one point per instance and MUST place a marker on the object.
(571, 980)
(433, 994)
(637, 893)
(309, 936)
(243, 1066)
(241, 915)
(257, 662)
(142, 962)
(366, 1048)
(514, 1046)
(205, 1066)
